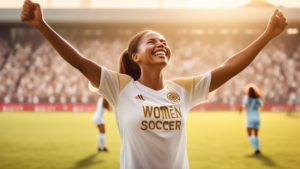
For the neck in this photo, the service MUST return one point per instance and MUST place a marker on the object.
(152, 78)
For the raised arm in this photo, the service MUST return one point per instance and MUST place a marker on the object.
(33, 16)
(241, 60)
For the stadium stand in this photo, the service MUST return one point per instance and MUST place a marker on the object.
(42, 74)
(32, 72)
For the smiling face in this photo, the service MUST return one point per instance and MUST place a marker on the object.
(153, 51)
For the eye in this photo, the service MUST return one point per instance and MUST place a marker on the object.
(150, 42)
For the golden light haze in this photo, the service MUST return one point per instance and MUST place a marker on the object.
(144, 3)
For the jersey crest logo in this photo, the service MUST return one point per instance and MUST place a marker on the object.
(173, 97)
(140, 97)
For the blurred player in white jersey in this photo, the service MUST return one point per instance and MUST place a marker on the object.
(292, 102)
(150, 111)
(253, 102)
(98, 118)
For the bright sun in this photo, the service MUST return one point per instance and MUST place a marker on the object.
(215, 3)
(144, 3)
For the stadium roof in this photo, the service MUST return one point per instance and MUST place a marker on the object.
(151, 15)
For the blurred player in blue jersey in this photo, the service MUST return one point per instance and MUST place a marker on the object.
(98, 118)
(253, 102)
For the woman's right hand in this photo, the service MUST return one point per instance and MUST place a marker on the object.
(32, 14)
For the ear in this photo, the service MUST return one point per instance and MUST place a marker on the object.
(135, 57)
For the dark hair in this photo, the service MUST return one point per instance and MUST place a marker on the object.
(106, 104)
(126, 64)
(252, 93)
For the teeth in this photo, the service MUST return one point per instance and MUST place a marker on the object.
(159, 53)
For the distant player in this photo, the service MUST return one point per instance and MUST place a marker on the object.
(292, 102)
(98, 118)
(253, 102)
(150, 111)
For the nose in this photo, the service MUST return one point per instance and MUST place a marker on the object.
(160, 44)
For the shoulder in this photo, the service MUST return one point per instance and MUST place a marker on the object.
(123, 79)
(184, 82)
(245, 99)
(188, 83)
(259, 100)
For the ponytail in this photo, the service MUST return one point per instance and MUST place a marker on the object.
(127, 65)
(252, 93)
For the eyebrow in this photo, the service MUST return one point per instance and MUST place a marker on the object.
(158, 39)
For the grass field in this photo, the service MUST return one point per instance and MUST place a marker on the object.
(216, 140)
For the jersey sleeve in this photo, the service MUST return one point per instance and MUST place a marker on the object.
(200, 92)
(260, 102)
(111, 84)
(197, 88)
(245, 99)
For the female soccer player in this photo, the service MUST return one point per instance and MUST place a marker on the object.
(253, 102)
(151, 112)
(98, 118)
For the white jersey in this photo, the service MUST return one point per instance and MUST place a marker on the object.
(152, 123)
(292, 98)
(99, 113)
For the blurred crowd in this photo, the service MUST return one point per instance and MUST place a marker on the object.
(276, 70)
(33, 72)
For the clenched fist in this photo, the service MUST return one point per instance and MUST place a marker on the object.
(277, 24)
(32, 14)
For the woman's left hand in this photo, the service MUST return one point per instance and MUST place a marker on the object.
(277, 24)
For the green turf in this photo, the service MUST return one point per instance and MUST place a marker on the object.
(216, 140)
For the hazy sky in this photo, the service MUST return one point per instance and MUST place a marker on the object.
(144, 3)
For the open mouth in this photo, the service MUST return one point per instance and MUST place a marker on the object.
(160, 53)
